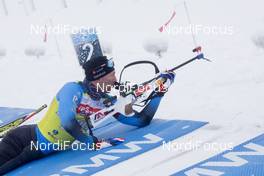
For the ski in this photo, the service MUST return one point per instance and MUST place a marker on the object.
(5, 128)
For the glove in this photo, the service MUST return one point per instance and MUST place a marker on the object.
(103, 143)
(123, 105)
(168, 75)
(165, 81)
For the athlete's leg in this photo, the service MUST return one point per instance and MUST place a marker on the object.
(15, 148)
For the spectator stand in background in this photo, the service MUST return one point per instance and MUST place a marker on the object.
(157, 46)
(258, 40)
(36, 51)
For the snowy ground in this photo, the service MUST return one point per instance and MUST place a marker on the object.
(228, 92)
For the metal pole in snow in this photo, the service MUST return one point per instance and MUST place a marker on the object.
(56, 41)
(189, 20)
(4, 7)
(22, 2)
(64, 3)
(33, 7)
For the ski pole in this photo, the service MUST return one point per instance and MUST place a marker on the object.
(35, 112)
(199, 56)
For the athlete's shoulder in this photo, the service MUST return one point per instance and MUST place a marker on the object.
(71, 88)
(72, 85)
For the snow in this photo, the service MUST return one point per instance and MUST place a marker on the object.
(227, 92)
(157, 46)
(106, 47)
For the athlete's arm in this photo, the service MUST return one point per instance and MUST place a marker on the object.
(69, 97)
(143, 118)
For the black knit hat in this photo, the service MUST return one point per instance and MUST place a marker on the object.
(98, 67)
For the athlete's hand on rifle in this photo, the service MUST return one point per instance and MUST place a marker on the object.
(165, 81)
(123, 105)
